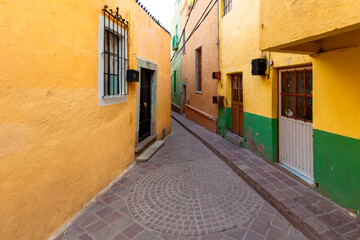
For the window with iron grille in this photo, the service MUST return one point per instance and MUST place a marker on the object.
(113, 56)
(296, 94)
(227, 6)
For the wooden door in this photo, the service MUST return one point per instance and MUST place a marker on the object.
(237, 108)
(145, 105)
(295, 120)
(183, 99)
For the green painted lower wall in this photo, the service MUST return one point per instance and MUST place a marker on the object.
(176, 95)
(336, 158)
(261, 136)
(337, 168)
(224, 120)
(260, 133)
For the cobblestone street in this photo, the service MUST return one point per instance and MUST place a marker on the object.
(184, 192)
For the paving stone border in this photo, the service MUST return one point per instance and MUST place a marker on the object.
(314, 215)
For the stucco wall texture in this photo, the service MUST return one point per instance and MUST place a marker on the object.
(239, 44)
(58, 149)
(297, 15)
(206, 37)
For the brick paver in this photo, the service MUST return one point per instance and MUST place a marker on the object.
(315, 215)
(184, 192)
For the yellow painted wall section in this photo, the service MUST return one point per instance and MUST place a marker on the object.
(150, 41)
(336, 92)
(302, 19)
(239, 44)
(58, 149)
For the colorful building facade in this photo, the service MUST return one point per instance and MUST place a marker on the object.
(199, 61)
(69, 120)
(302, 111)
(177, 42)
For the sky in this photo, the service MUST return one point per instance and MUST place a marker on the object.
(161, 9)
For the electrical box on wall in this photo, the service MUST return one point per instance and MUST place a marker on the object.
(132, 75)
(258, 66)
(216, 75)
(219, 100)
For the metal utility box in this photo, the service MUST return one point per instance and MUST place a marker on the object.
(219, 100)
(132, 75)
(258, 66)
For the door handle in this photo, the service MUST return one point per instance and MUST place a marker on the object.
(145, 104)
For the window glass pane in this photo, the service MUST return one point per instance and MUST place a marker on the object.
(290, 87)
(235, 82)
(308, 82)
(241, 95)
(300, 82)
(283, 82)
(116, 83)
(106, 85)
(304, 109)
(110, 42)
(230, 5)
(106, 48)
(111, 85)
(106, 69)
(116, 44)
(111, 65)
(301, 107)
(308, 109)
(288, 106)
(235, 95)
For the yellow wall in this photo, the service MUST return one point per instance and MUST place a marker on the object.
(336, 92)
(239, 44)
(304, 20)
(58, 149)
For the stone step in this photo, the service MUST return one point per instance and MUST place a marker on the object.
(235, 139)
(143, 144)
(150, 151)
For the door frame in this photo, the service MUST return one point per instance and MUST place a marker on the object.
(279, 69)
(149, 65)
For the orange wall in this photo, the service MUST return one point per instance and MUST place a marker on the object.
(207, 37)
(58, 149)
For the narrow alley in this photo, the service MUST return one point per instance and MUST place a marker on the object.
(184, 192)
(179, 120)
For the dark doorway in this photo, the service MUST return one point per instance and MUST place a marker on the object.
(183, 99)
(237, 109)
(145, 104)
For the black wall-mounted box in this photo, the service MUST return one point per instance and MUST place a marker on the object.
(132, 75)
(216, 75)
(219, 100)
(258, 66)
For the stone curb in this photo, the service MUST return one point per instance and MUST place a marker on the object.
(307, 226)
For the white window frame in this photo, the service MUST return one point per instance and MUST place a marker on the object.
(108, 100)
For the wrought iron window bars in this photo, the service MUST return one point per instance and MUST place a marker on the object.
(115, 53)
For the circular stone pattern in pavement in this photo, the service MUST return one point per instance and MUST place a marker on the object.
(192, 198)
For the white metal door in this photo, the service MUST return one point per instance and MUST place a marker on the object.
(295, 120)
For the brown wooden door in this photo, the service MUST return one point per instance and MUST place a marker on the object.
(183, 99)
(237, 109)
